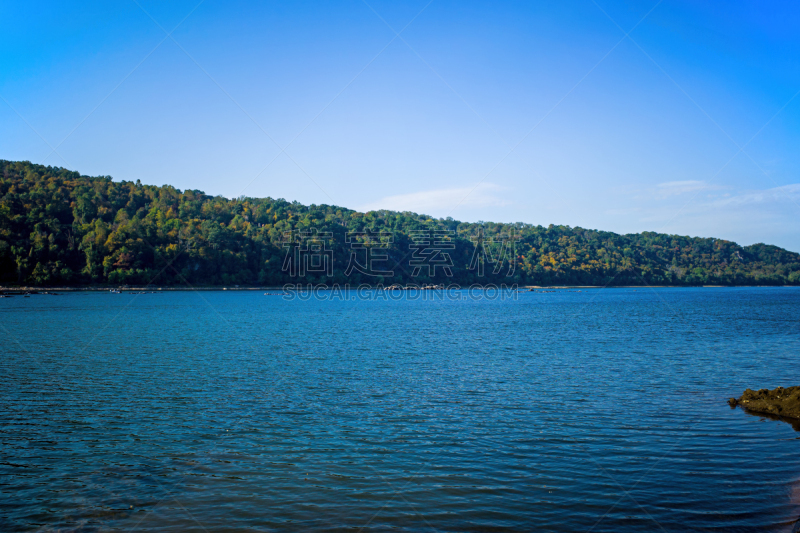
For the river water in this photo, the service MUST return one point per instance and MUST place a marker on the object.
(598, 410)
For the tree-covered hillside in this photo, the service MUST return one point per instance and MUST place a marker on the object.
(58, 227)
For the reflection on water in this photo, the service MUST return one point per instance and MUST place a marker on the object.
(593, 411)
(794, 422)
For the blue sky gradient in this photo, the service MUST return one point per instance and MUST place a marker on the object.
(523, 111)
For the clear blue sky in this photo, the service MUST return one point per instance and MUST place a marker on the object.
(541, 112)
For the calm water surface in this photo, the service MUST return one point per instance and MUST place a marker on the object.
(600, 410)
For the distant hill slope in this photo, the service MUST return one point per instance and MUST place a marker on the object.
(58, 227)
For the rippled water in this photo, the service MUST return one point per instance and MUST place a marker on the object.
(600, 410)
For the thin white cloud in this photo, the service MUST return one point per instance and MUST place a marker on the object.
(785, 193)
(672, 188)
(441, 200)
(624, 212)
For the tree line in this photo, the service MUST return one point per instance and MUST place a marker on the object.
(61, 228)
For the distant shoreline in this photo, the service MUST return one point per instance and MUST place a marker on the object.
(43, 290)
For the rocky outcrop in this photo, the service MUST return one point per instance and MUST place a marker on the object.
(782, 402)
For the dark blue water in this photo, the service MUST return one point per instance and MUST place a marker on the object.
(601, 410)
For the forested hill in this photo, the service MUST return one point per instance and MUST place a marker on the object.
(58, 227)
